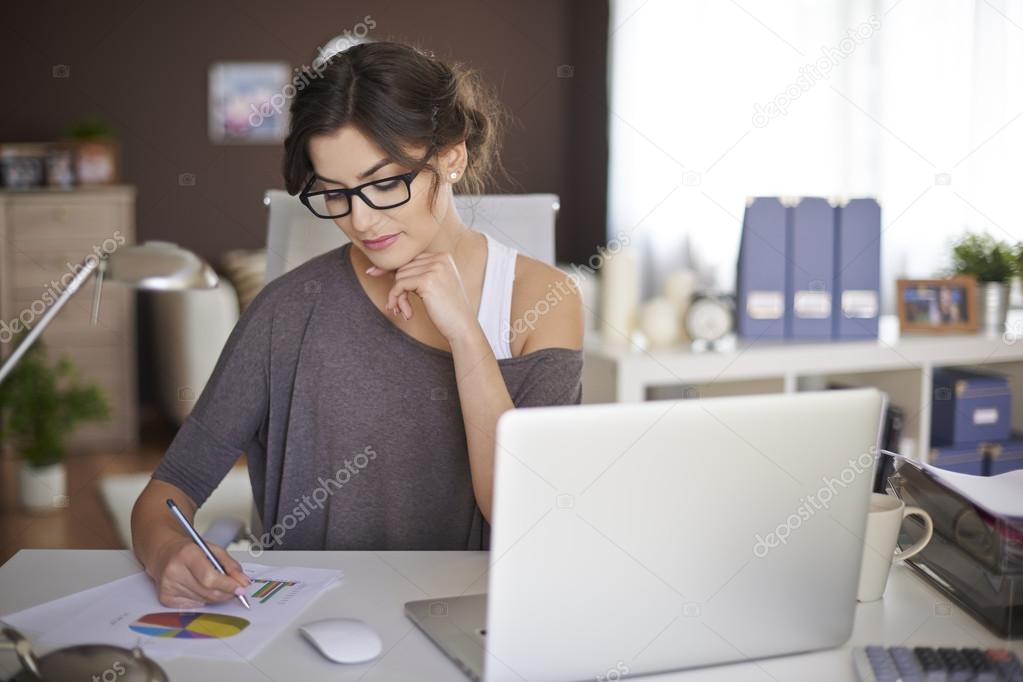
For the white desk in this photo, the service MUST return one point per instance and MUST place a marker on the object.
(377, 584)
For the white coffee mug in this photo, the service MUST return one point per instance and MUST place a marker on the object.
(883, 524)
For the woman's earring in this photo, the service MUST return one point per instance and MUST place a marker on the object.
(454, 174)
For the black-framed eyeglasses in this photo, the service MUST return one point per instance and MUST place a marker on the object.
(335, 203)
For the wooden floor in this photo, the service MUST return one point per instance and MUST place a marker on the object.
(84, 523)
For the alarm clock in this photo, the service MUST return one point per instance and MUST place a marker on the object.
(710, 318)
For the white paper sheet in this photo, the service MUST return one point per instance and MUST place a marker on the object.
(1001, 495)
(111, 613)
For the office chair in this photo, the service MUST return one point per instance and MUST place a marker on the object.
(522, 221)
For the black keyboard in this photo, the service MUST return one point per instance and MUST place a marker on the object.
(944, 664)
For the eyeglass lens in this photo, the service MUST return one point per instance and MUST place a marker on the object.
(384, 194)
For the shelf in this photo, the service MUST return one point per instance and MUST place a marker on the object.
(900, 365)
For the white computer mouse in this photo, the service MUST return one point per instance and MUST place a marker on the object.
(344, 640)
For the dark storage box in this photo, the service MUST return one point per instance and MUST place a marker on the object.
(965, 459)
(969, 407)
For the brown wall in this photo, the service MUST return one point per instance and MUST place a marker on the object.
(143, 67)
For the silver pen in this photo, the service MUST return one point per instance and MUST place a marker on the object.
(202, 544)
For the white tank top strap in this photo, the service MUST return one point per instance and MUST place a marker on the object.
(495, 302)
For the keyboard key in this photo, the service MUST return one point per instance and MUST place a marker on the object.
(909, 667)
(956, 665)
(933, 667)
(882, 663)
(982, 669)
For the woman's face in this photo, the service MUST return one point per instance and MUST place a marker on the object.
(349, 159)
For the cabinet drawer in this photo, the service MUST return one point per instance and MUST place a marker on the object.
(73, 323)
(62, 219)
(34, 271)
(73, 247)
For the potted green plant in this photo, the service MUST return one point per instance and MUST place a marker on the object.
(96, 150)
(993, 263)
(40, 404)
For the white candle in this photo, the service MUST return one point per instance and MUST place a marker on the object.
(679, 287)
(619, 294)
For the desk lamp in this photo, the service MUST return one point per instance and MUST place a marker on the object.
(151, 266)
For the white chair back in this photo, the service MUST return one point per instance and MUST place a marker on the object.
(522, 221)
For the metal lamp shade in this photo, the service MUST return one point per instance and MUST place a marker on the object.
(159, 266)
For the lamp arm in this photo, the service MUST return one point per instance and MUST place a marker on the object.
(97, 290)
(88, 266)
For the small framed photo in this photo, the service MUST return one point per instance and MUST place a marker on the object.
(60, 166)
(22, 165)
(938, 305)
(97, 161)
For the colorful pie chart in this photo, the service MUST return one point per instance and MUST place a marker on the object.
(189, 625)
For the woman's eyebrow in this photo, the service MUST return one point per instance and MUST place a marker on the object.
(362, 176)
(379, 164)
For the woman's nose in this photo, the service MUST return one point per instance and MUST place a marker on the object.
(362, 215)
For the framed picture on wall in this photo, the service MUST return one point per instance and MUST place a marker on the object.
(938, 305)
(248, 102)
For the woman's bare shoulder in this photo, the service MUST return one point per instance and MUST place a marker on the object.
(546, 308)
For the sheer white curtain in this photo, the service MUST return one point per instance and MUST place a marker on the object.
(916, 102)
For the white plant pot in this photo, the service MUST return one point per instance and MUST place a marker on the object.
(43, 488)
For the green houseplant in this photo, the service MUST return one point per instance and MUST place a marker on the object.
(91, 128)
(984, 257)
(40, 404)
(993, 263)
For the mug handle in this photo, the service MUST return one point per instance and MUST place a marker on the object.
(917, 546)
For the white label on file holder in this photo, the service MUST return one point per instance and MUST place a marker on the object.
(813, 305)
(859, 303)
(765, 305)
(985, 415)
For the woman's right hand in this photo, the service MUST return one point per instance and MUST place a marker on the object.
(185, 578)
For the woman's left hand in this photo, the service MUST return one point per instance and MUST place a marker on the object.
(434, 278)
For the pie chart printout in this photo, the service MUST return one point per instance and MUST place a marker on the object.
(126, 613)
(189, 625)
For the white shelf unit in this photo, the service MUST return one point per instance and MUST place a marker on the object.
(901, 366)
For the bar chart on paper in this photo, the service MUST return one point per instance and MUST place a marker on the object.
(270, 588)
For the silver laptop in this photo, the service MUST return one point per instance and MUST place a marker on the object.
(656, 536)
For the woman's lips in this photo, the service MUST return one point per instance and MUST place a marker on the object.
(381, 243)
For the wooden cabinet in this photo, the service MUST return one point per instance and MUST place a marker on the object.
(44, 235)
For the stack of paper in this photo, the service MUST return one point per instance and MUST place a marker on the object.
(1001, 495)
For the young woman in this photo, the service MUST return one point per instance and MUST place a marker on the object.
(365, 385)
